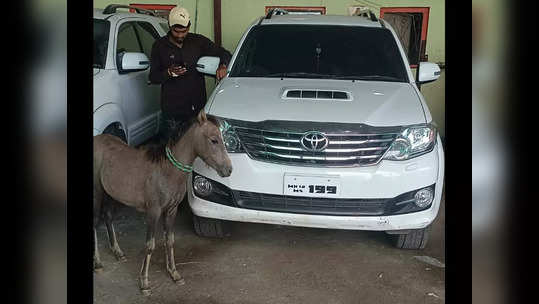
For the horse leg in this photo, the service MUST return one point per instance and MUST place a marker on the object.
(98, 266)
(168, 223)
(152, 218)
(113, 242)
(98, 200)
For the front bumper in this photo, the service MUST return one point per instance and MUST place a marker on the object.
(387, 179)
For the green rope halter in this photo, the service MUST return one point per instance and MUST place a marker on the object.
(176, 163)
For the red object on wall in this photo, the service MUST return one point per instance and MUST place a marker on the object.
(424, 24)
(161, 10)
(321, 9)
(153, 6)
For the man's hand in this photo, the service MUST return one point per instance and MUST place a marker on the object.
(221, 72)
(176, 70)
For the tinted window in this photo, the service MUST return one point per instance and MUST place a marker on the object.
(147, 34)
(127, 39)
(320, 52)
(101, 42)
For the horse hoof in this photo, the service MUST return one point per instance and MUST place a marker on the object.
(180, 282)
(176, 277)
(120, 256)
(144, 286)
(98, 267)
(145, 292)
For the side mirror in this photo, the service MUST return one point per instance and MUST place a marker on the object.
(208, 65)
(428, 72)
(130, 62)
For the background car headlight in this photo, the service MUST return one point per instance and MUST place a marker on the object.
(230, 138)
(412, 142)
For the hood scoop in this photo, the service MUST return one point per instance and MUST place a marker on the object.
(316, 94)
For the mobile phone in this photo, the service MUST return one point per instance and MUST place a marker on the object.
(177, 66)
(180, 66)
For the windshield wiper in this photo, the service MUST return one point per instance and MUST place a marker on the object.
(332, 76)
(374, 77)
(301, 75)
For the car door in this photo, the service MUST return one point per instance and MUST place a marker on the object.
(140, 101)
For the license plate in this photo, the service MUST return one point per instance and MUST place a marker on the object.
(312, 186)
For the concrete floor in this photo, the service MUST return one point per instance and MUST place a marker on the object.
(262, 263)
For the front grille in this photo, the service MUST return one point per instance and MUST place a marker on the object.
(309, 205)
(345, 149)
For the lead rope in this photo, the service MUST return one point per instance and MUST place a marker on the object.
(176, 163)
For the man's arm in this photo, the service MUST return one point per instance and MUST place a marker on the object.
(158, 72)
(211, 49)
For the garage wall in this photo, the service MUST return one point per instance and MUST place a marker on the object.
(238, 14)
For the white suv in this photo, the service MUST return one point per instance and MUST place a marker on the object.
(125, 104)
(325, 127)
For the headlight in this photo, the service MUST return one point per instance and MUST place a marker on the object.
(230, 138)
(412, 142)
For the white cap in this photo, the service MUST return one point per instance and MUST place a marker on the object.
(178, 15)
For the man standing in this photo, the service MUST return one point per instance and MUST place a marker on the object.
(173, 65)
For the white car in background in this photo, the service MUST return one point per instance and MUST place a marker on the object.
(326, 127)
(125, 104)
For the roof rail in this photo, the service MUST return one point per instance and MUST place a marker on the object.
(367, 13)
(111, 9)
(276, 11)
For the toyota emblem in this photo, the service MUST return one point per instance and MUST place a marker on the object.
(314, 141)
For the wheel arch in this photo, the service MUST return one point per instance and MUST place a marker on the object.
(107, 114)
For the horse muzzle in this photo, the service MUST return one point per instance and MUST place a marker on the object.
(225, 171)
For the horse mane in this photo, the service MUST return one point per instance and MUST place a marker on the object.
(156, 152)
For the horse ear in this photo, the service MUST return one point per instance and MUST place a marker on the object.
(202, 117)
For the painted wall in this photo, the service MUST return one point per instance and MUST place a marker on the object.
(237, 15)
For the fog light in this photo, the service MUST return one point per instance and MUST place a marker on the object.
(424, 197)
(202, 186)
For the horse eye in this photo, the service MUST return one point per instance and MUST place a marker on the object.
(214, 141)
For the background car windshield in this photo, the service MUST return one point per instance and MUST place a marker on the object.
(101, 41)
(320, 52)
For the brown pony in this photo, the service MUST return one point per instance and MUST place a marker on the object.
(153, 181)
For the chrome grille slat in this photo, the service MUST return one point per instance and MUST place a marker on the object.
(276, 147)
(281, 139)
(240, 129)
(317, 157)
(281, 144)
(360, 142)
(329, 150)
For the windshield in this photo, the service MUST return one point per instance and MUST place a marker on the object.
(307, 51)
(101, 41)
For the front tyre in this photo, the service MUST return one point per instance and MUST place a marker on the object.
(116, 130)
(207, 227)
(415, 239)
